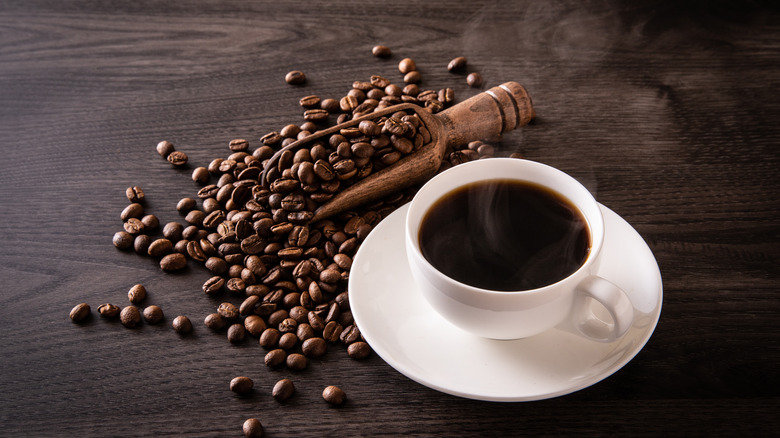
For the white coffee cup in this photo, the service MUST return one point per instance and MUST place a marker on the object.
(566, 304)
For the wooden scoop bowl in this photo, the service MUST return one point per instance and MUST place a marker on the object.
(481, 117)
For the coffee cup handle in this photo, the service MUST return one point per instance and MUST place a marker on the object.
(614, 300)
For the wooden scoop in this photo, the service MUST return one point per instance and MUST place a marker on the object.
(481, 117)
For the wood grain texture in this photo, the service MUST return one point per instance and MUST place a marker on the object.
(667, 111)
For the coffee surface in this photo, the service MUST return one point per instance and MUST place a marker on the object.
(504, 235)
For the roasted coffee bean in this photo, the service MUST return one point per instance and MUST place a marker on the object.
(359, 350)
(182, 325)
(297, 362)
(195, 251)
(350, 334)
(134, 210)
(236, 333)
(406, 65)
(276, 357)
(295, 77)
(141, 244)
(474, 80)
(164, 148)
(269, 338)
(252, 428)
(310, 101)
(160, 248)
(241, 385)
(255, 325)
(153, 314)
(288, 341)
(123, 240)
(283, 389)
(314, 347)
(304, 332)
(150, 222)
(135, 194)
(381, 51)
(332, 331)
(136, 294)
(133, 226)
(235, 285)
(413, 77)
(173, 262)
(108, 310)
(213, 285)
(238, 145)
(247, 307)
(177, 158)
(215, 322)
(130, 316)
(288, 325)
(200, 175)
(457, 64)
(228, 311)
(334, 395)
(80, 312)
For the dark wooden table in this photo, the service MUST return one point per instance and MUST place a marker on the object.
(667, 111)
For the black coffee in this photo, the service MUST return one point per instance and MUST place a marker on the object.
(504, 235)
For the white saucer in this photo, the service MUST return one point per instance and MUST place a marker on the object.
(415, 340)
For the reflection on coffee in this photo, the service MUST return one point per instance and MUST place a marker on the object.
(504, 235)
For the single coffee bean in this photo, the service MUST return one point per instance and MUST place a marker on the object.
(241, 384)
(134, 210)
(153, 314)
(215, 322)
(108, 310)
(332, 331)
(173, 262)
(412, 77)
(123, 240)
(312, 101)
(381, 51)
(474, 80)
(164, 148)
(255, 325)
(185, 205)
(200, 175)
(283, 390)
(358, 350)
(406, 65)
(330, 105)
(457, 64)
(314, 347)
(182, 325)
(135, 194)
(136, 294)
(295, 77)
(238, 145)
(160, 248)
(297, 362)
(228, 311)
(150, 222)
(288, 340)
(334, 395)
(269, 338)
(80, 312)
(173, 231)
(252, 428)
(133, 226)
(350, 334)
(274, 358)
(130, 316)
(236, 333)
(177, 158)
(213, 285)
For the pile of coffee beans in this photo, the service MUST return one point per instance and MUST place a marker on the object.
(283, 279)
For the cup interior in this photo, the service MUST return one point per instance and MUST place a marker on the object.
(502, 168)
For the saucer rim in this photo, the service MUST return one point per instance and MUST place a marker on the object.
(639, 344)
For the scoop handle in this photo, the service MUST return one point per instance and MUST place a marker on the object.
(487, 115)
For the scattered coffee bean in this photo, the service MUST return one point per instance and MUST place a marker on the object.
(283, 390)
(236, 333)
(457, 64)
(130, 316)
(276, 357)
(381, 51)
(474, 80)
(255, 325)
(135, 194)
(108, 310)
(173, 262)
(334, 395)
(241, 385)
(123, 240)
(182, 325)
(314, 347)
(297, 361)
(177, 158)
(150, 222)
(252, 428)
(200, 175)
(406, 65)
(134, 210)
(295, 77)
(164, 148)
(153, 314)
(160, 248)
(136, 294)
(215, 322)
(80, 312)
(359, 350)
(269, 339)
